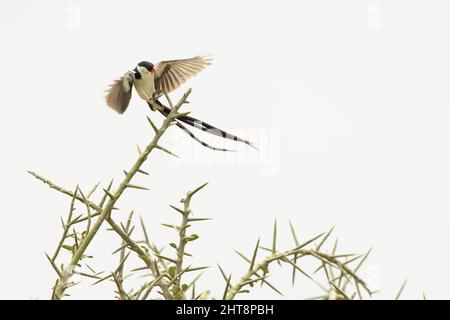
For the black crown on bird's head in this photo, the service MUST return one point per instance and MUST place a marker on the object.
(144, 64)
(147, 65)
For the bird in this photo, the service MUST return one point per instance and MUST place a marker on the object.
(153, 81)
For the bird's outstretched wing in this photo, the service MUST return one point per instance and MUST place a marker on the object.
(173, 73)
(119, 94)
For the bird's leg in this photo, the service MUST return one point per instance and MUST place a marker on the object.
(154, 105)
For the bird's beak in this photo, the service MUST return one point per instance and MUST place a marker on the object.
(153, 70)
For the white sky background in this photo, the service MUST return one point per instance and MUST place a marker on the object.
(348, 101)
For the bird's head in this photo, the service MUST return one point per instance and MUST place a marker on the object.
(145, 67)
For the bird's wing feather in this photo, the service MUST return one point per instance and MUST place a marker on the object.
(172, 74)
(119, 94)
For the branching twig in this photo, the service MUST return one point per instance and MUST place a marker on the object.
(104, 212)
(290, 257)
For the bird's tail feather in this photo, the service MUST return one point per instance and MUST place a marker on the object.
(201, 125)
(198, 140)
(165, 112)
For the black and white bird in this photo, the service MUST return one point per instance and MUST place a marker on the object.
(151, 82)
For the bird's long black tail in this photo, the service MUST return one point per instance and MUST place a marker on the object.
(179, 125)
(201, 125)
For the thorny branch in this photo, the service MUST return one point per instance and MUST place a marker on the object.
(258, 272)
(103, 212)
(167, 271)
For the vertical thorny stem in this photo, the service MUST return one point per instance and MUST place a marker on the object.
(182, 239)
